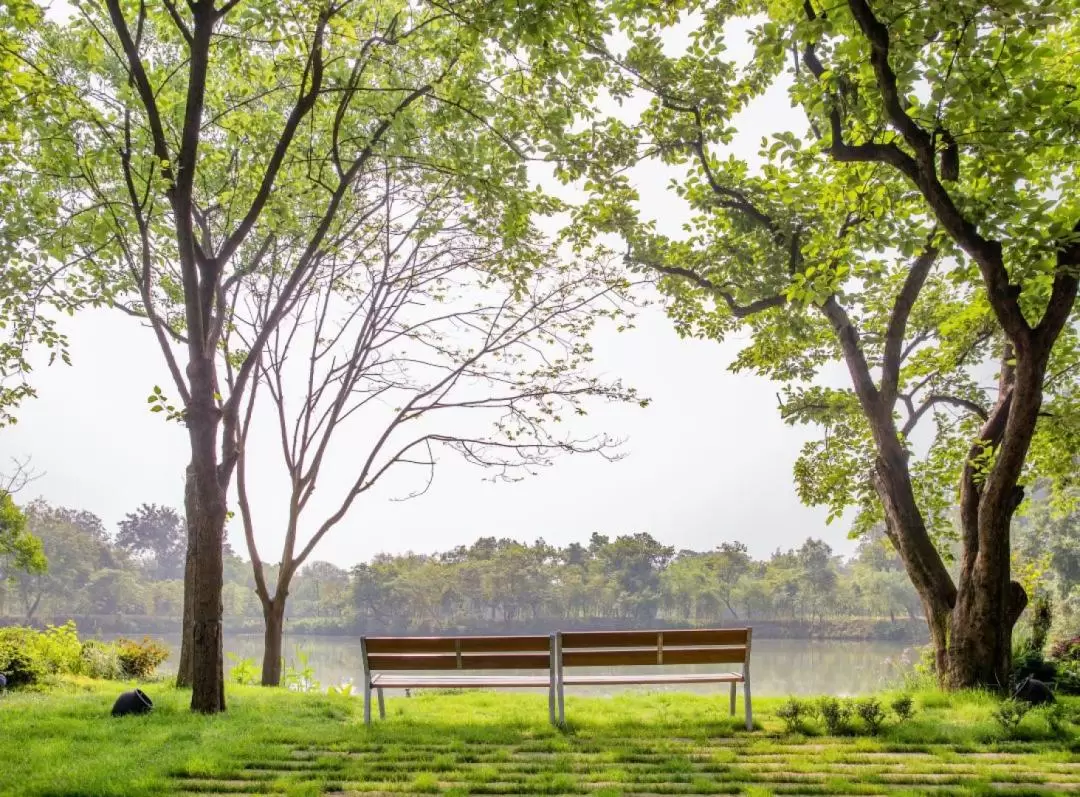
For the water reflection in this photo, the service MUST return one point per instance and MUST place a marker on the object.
(778, 666)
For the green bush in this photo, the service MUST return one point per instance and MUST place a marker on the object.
(27, 656)
(792, 713)
(100, 660)
(871, 713)
(1009, 714)
(58, 648)
(1056, 719)
(1068, 677)
(904, 707)
(835, 714)
(19, 660)
(140, 659)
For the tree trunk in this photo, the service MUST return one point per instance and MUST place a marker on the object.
(208, 527)
(183, 672)
(906, 530)
(274, 617)
(988, 604)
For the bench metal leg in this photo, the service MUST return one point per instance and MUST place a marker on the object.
(367, 701)
(733, 698)
(746, 700)
(562, 710)
(551, 702)
(382, 705)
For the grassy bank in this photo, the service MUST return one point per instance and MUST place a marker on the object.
(271, 742)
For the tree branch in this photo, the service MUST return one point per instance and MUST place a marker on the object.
(940, 398)
(901, 311)
(736, 309)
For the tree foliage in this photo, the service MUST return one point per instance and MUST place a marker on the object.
(918, 229)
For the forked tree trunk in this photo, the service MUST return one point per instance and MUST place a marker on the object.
(274, 617)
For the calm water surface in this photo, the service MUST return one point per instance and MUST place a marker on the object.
(777, 666)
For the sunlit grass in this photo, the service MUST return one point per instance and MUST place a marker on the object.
(278, 742)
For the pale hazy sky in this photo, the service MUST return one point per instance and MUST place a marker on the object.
(709, 460)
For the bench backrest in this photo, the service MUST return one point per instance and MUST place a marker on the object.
(457, 652)
(681, 646)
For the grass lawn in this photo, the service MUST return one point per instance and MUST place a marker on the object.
(275, 742)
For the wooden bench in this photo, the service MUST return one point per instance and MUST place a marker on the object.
(399, 662)
(576, 649)
(394, 663)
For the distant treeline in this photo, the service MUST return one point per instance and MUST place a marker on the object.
(130, 582)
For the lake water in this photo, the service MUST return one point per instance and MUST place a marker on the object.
(777, 666)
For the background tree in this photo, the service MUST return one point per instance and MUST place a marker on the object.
(414, 341)
(915, 231)
(156, 536)
(20, 551)
(80, 563)
(163, 151)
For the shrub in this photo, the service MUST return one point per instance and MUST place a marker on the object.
(1068, 677)
(1066, 650)
(27, 656)
(871, 713)
(835, 714)
(100, 660)
(140, 659)
(792, 713)
(903, 707)
(19, 661)
(1055, 718)
(1009, 713)
(58, 648)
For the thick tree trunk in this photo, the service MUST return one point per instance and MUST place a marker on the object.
(906, 529)
(274, 617)
(183, 672)
(208, 525)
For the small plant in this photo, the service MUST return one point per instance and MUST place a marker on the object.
(300, 677)
(1009, 714)
(1055, 718)
(792, 713)
(243, 671)
(835, 714)
(140, 659)
(347, 689)
(871, 713)
(903, 707)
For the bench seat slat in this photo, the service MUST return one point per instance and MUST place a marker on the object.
(386, 681)
(657, 678)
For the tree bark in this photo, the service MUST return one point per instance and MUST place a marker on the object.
(274, 617)
(208, 526)
(183, 672)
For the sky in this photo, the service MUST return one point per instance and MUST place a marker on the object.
(708, 461)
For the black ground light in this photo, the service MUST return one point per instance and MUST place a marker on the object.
(133, 702)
